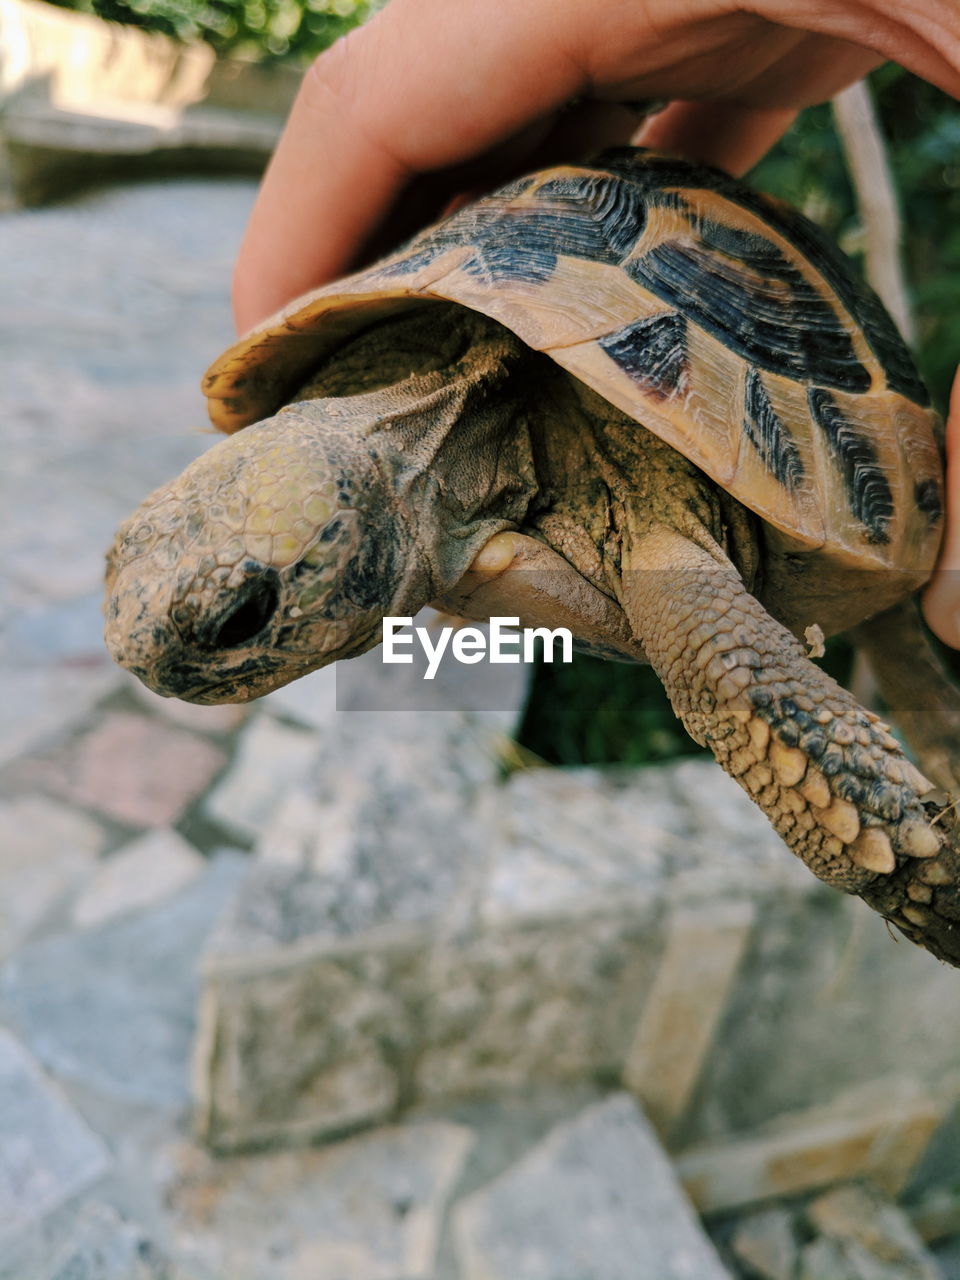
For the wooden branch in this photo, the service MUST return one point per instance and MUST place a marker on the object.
(866, 156)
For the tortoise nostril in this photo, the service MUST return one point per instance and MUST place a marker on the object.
(248, 618)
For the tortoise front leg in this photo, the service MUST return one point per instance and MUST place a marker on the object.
(515, 575)
(826, 772)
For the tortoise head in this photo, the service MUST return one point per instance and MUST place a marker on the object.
(274, 553)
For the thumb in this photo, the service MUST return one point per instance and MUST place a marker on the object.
(941, 600)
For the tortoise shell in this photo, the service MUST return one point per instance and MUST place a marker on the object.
(723, 320)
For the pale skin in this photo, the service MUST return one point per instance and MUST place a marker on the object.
(432, 99)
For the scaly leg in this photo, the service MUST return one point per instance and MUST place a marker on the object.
(827, 773)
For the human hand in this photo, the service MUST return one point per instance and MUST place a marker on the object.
(429, 100)
(941, 600)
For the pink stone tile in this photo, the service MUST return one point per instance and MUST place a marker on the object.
(135, 769)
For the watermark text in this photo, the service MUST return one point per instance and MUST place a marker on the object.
(503, 642)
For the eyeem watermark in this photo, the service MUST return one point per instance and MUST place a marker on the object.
(470, 645)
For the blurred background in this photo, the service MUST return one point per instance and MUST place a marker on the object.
(588, 713)
(521, 969)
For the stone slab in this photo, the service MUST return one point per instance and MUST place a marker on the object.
(304, 1050)
(369, 1208)
(46, 850)
(113, 1008)
(66, 632)
(522, 933)
(47, 1152)
(89, 1241)
(548, 1003)
(688, 998)
(596, 1198)
(767, 1244)
(361, 927)
(826, 1001)
(271, 758)
(859, 1217)
(39, 705)
(133, 769)
(369, 826)
(878, 1132)
(141, 874)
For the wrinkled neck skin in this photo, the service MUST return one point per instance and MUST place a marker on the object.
(451, 444)
(282, 549)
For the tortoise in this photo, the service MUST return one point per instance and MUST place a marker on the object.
(633, 397)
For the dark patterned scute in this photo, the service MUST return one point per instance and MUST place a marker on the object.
(865, 485)
(926, 494)
(740, 288)
(653, 351)
(769, 434)
(595, 218)
(859, 299)
(616, 209)
(652, 173)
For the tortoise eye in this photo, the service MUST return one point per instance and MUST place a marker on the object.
(247, 618)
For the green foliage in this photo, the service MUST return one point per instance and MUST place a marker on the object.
(592, 711)
(257, 29)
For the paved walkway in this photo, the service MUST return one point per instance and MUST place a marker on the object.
(115, 861)
(126, 829)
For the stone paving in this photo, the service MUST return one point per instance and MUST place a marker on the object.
(272, 925)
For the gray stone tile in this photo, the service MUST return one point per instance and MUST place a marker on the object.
(296, 1051)
(860, 1216)
(596, 1198)
(114, 1007)
(311, 701)
(47, 849)
(366, 1209)
(47, 1152)
(366, 828)
(552, 1002)
(876, 1131)
(40, 704)
(89, 1241)
(65, 631)
(826, 1001)
(766, 1243)
(271, 758)
(144, 872)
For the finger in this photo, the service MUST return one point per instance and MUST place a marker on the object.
(574, 134)
(724, 134)
(923, 37)
(394, 98)
(941, 600)
(735, 134)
